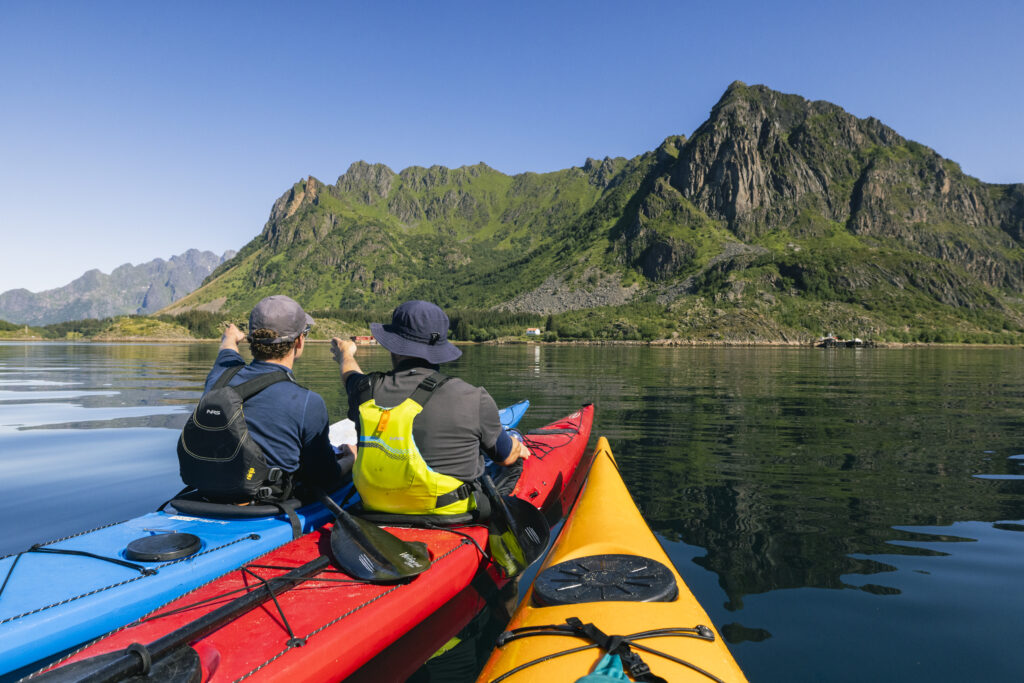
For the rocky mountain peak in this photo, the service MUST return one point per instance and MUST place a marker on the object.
(763, 156)
(366, 182)
(302, 195)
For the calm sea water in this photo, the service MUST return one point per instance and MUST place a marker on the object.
(843, 515)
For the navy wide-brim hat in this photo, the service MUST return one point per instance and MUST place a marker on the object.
(418, 329)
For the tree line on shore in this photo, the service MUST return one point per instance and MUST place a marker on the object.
(642, 323)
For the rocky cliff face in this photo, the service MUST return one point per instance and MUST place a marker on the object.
(140, 289)
(773, 196)
(764, 158)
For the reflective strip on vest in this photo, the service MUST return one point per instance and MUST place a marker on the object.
(390, 473)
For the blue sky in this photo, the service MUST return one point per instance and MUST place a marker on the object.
(136, 130)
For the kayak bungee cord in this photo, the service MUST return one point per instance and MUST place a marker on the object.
(145, 571)
(619, 645)
(40, 547)
(292, 640)
(152, 572)
(268, 588)
(69, 537)
(466, 537)
(244, 589)
(391, 589)
(538, 449)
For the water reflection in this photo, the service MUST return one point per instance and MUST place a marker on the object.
(825, 506)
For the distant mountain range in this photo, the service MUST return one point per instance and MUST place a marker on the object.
(129, 289)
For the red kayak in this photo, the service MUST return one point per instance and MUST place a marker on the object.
(330, 626)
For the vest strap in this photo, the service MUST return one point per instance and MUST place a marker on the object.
(367, 383)
(426, 388)
(461, 493)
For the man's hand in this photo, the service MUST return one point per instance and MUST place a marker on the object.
(232, 337)
(340, 348)
(344, 352)
(519, 452)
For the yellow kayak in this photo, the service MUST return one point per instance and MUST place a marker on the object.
(607, 575)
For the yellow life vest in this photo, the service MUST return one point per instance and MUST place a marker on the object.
(390, 473)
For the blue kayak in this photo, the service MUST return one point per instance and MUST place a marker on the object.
(60, 594)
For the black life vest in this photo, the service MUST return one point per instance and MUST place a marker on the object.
(216, 454)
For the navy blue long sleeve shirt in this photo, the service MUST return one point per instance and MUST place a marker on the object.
(288, 421)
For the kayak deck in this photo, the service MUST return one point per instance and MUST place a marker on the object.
(605, 525)
(51, 601)
(328, 627)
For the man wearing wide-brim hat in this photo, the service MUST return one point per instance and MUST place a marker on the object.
(421, 432)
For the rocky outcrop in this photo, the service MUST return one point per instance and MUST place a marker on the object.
(293, 217)
(368, 183)
(764, 160)
(601, 173)
(555, 295)
(763, 156)
(1009, 201)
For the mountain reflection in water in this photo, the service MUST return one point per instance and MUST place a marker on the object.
(843, 515)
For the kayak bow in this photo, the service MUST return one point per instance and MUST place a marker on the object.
(607, 576)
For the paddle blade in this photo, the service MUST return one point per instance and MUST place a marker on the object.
(506, 552)
(520, 538)
(369, 553)
(530, 528)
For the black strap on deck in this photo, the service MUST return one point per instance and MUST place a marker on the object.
(289, 509)
(619, 645)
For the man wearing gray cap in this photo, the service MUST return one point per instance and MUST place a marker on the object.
(287, 422)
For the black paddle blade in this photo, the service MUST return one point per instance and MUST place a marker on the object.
(519, 531)
(369, 553)
(530, 527)
(181, 666)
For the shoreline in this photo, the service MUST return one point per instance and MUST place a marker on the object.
(659, 343)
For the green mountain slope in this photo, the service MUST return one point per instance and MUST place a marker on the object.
(779, 218)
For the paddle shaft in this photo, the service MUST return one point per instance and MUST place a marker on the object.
(131, 663)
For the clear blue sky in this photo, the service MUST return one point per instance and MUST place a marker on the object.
(135, 130)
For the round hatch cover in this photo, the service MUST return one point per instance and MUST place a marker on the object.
(162, 547)
(601, 578)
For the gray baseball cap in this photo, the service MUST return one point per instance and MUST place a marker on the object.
(281, 314)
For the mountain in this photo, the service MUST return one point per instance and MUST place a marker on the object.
(777, 218)
(141, 289)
